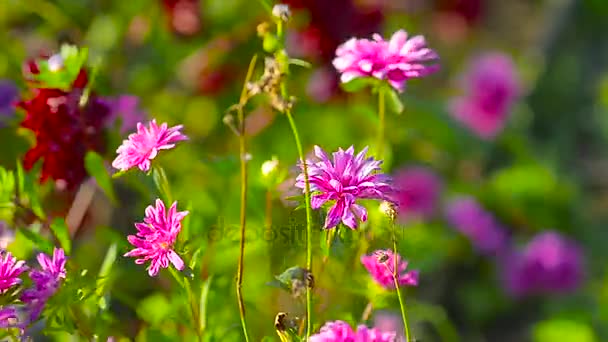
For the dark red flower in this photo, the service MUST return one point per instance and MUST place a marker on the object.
(64, 130)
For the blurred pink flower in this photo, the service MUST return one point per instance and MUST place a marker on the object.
(417, 192)
(46, 282)
(156, 236)
(396, 61)
(344, 180)
(468, 217)
(548, 263)
(10, 270)
(141, 147)
(491, 87)
(388, 321)
(340, 331)
(126, 108)
(381, 265)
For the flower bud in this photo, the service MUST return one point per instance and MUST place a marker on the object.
(281, 12)
(270, 167)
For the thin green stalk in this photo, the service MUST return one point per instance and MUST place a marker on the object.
(296, 137)
(380, 148)
(243, 214)
(185, 284)
(395, 275)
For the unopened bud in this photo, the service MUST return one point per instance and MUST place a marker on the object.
(270, 166)
(282, 12)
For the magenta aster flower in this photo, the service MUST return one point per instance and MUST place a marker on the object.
(141, 147)
(156, 236)
(417, 192)
(381, 264)
(468, 217)
(395, 61)
(344, 180)
(340, 331)
(10, 270)
(46, 282)
(548, 263)
(491, 87)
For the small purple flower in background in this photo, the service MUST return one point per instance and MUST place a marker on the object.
(395, 61)
(548, 263)
(7, 235)
(126, 108)
(141, 147)
(156, 236)
(10, 270)
(9, 94)
(468, 217)
(340, 331)
(46, 282)
(381, 264)
(417, 192)
(491, 87)
(388, 321)
(344, 180)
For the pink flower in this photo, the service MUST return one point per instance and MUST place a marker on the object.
(10, 270)
(141, 147)
(340, 331)
(417, 192)
(549, 263)
(491, 87)
(468, 217)
(381, 264)
(156, 236)
(46, 282)
(395, 61)
(344, 180)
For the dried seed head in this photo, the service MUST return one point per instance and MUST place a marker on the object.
(389, 209)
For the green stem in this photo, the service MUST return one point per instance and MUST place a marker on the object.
(243, 213)
(380, 148)
(399, 296)
(185, 284)
(296, 137)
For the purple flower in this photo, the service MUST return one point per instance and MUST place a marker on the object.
(141, 147)
(156, 236)
(469, 218)
(548, 263)
(395, 61)
(9, 94)
(10, 270)
(126, 107)
(344, 180)
(8, 317)
(46, 282)
(491, 87)
(340, 331)
(381, 265)
(417, 191)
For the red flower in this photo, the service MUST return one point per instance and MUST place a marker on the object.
(64, 130)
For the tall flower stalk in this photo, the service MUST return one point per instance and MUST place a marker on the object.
(243, 214)
(381, 124)
(396, 280)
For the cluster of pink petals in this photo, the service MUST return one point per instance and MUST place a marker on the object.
(549, 263)
(381, 265)
(491, 87)
(339, 331)
(344, 180)
(143, 146)
(395, 61)
(416, 193)
(46, 282)
(10, 270)
(156, 236)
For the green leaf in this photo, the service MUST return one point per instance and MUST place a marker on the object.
(359, 83)
(203, 304)
(162, 184)
(105, 269)
(38, 240)
(562, 330)
(154, 309)
(300, 62)
(61, 232)
(393, 101)
(96, 168)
